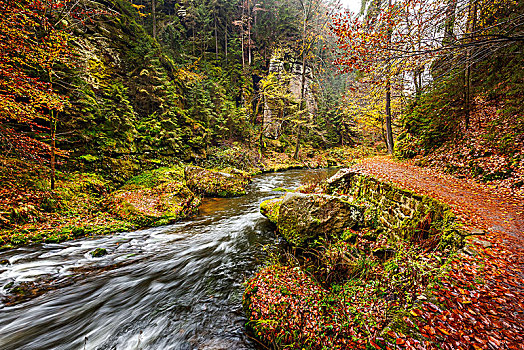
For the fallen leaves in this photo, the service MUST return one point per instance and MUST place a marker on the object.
(480, 301)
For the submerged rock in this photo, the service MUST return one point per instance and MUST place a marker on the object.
(98, 252)
(302, 217)
(214, 183)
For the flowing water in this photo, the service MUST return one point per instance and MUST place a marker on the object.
(170, 287)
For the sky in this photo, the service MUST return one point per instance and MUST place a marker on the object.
(353, 5)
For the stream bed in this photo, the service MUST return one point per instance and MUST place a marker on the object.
(171, 287)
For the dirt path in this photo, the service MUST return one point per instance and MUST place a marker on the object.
(480, 305)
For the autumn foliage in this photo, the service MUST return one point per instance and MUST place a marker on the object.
(34, 39)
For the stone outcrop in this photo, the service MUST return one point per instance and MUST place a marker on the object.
(303, 217)
(214, 183)
(401, 212)
(382, 207)
(160, 205)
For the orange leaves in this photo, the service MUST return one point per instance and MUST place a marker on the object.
(480, 301)
(24, 98)
(416, 312)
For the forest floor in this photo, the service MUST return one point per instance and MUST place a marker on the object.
(482, 297)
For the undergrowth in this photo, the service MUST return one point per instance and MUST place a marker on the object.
(341, 295)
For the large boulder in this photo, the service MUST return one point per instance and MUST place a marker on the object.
(214, 183)
(302, 217)
(155, 206)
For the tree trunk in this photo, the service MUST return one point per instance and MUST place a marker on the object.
(53, 150)
(243, 54)
(194, 40)
(297, 144)
(472, 24)
(225, 42)
(449, 23)
(389, 131)
(53, 137)
(216, 38)
(249, 37)
(153, 12)
(242, 35)
(467, 99)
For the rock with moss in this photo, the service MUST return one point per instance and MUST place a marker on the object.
(303, 217)
(405, 215)
(98, 252)
(155, 206)
(212, 183)
(270, 209)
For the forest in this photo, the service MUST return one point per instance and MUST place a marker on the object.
(122, 116)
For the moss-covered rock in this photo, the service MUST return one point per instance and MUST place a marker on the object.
(405, 215)
(98, 252)
(214, 183)
(303, 217)
(155, 206)
(270, 209)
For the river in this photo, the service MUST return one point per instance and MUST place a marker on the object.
(171, 287)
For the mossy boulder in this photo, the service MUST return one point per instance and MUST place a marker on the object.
(212, 183)
(270, 209)
(303, 217)
(404, 214)
(155, 206)
(99, 252)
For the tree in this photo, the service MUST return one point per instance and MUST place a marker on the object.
(34, 39)
(407, 36)
(367, 44)
(313, 24)
(24, 99)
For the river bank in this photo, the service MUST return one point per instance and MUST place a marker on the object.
(171, 287)
(87, 203)
(431, 262)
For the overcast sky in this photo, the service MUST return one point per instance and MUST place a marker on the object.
(352, 5)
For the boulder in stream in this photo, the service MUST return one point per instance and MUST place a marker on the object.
(214, 183)
(302, 217)
(155, 206)
(99, 252)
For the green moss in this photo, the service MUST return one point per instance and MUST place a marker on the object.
(98, 252)
(167, 201)
(212, 183)
(286, 228)
(270, 209)
(152, 178)
(404, 214)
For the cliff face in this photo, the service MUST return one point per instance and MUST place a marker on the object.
(127, 96)
(131, 101)
(288, 73)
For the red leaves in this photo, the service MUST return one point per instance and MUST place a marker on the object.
(480, 301)
(400, 341)
(416, 312)
(374, 345)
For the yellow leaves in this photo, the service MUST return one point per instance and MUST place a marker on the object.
(416, 312)
(188, 76)
(138, 7)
